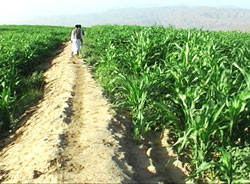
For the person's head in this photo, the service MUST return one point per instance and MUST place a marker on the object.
(78, 26)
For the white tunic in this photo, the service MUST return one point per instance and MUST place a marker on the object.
(76, 43)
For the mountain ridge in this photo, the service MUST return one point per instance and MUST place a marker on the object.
(208, 18)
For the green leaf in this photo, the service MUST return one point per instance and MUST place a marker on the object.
(204, 166)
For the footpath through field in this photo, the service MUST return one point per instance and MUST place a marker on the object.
(73, 136)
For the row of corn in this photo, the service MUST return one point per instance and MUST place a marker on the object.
(195, 83)
(22, 51)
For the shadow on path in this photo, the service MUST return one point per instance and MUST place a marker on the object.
(148, 158)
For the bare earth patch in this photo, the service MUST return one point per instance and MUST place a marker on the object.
(74, 136)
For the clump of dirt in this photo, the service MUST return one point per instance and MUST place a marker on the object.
(148, 157)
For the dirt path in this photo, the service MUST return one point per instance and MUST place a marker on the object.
(88, 154)
(73, 136)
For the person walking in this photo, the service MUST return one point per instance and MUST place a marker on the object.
(81, 32)
(76, 40)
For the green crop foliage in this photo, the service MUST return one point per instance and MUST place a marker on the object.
(195, 83)
(22, 51)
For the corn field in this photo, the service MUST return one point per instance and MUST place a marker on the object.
(195, 83)
(23, 50)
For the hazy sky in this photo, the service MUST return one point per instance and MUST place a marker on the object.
(11, 10)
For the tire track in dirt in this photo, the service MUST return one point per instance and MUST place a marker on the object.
(90, 145)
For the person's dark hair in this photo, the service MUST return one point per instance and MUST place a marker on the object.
(78, 26)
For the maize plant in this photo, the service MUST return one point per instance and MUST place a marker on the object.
(195, 83)
(22, 50)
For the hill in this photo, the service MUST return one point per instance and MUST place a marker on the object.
(182, 17)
